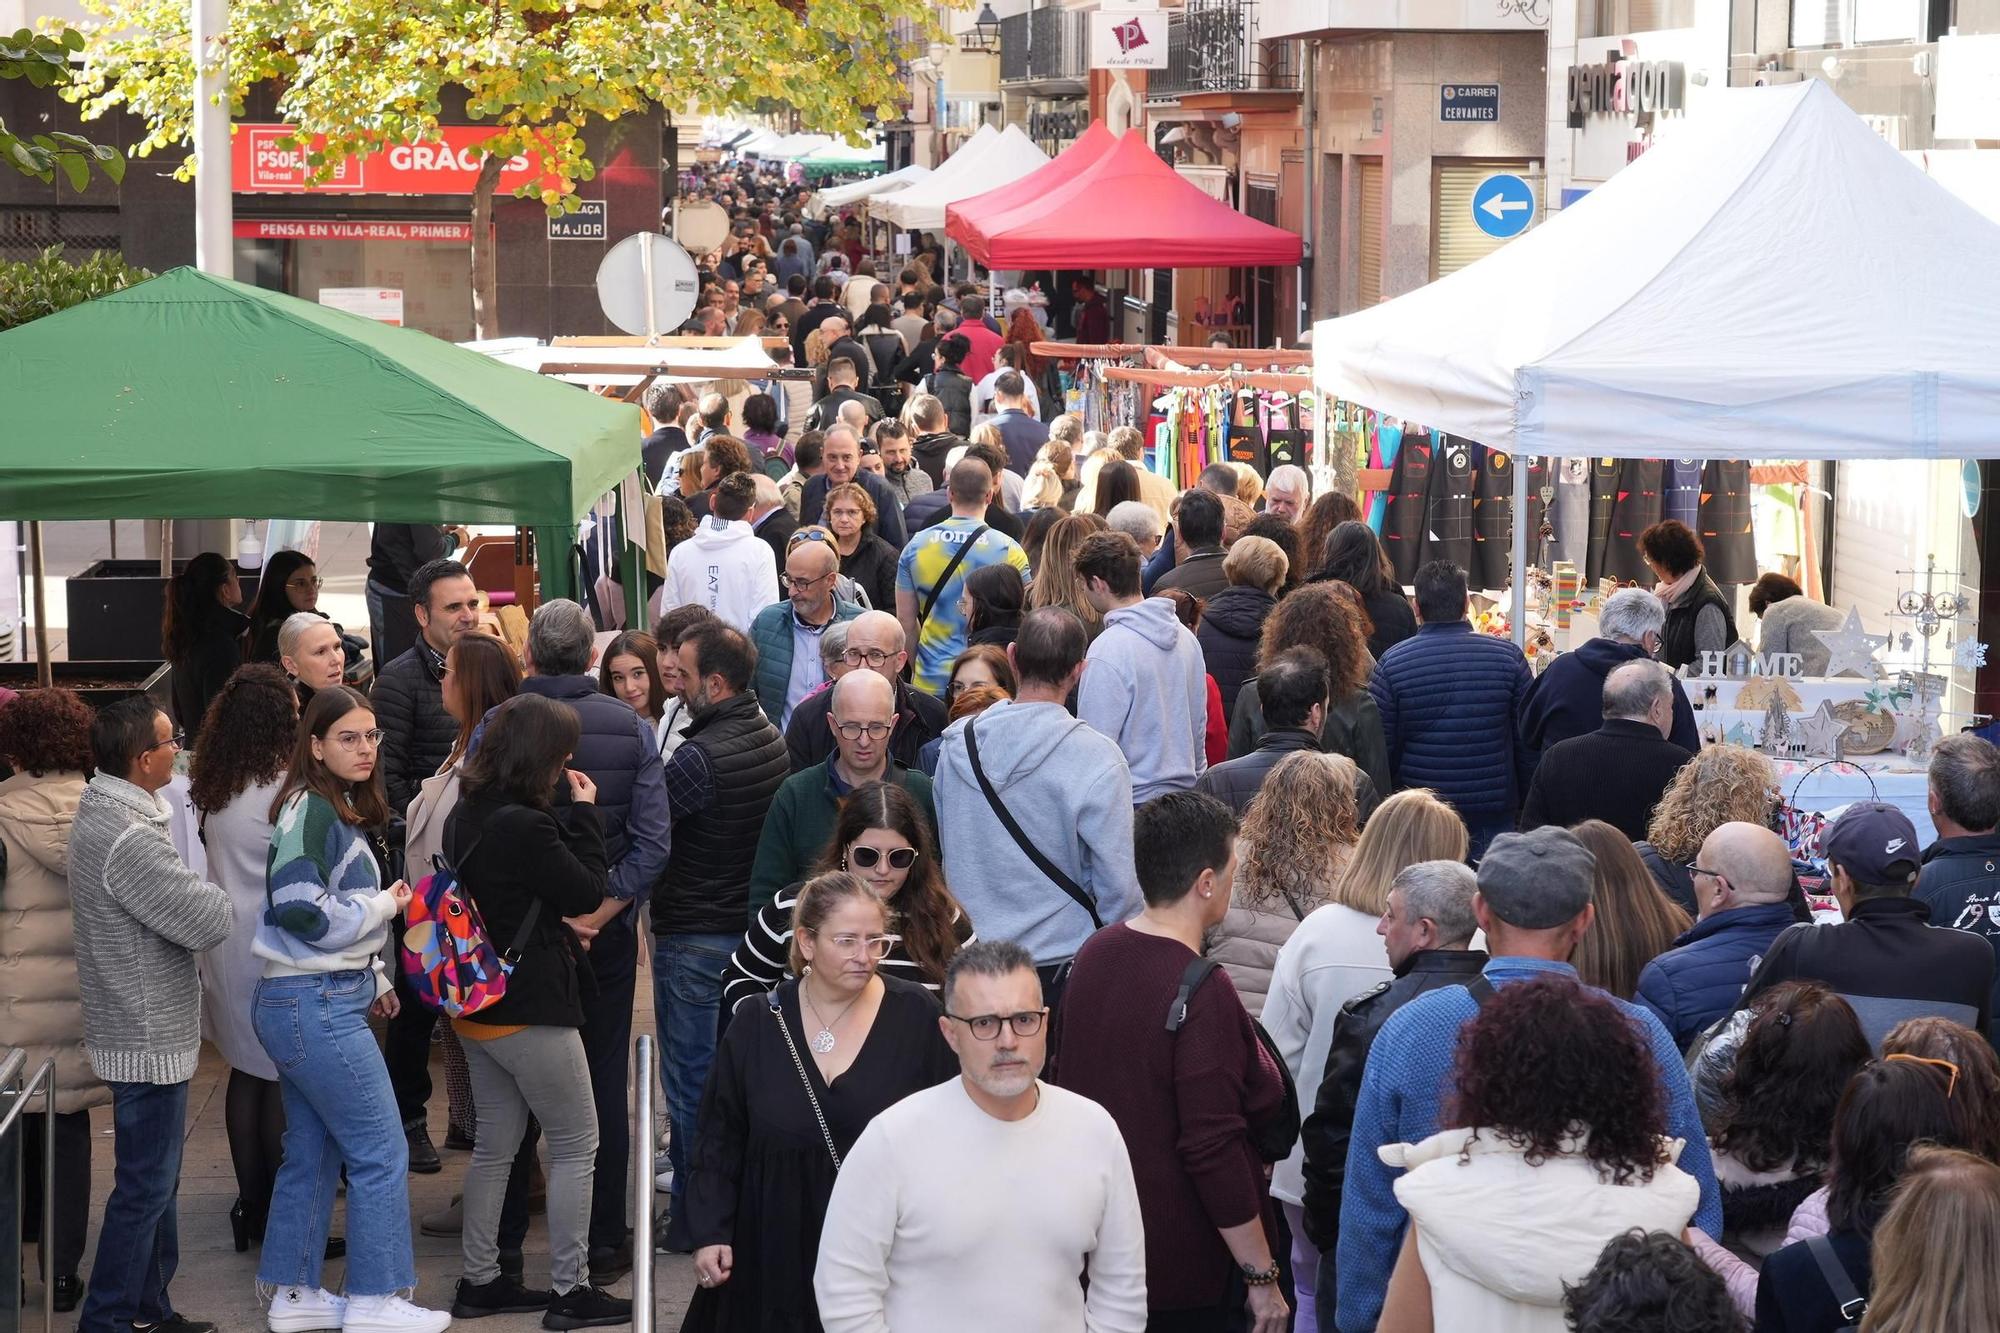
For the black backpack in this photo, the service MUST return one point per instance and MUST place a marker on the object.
(1275, 1135)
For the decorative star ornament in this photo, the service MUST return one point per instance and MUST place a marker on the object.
(1820, 731)
(1850, 648)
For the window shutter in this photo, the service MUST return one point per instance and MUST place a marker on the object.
(1456, 239)
(1368, 234)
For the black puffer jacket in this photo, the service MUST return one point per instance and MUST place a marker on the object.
(1353, 728)
(1236, 782)
(1230, 626)
(409, 707)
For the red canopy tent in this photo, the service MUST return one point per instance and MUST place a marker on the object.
(969, 217)
(1126, 209)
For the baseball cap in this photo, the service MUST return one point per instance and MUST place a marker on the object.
(1875, 843)
(1539, 879)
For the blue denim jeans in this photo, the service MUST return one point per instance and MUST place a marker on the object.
(138, 1247)
(339, 1109)
(687, 995)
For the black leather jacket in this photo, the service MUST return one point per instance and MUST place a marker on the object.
(1326, 1130)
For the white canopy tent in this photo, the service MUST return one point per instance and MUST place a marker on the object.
(609, 365)
(986, 162)
(1771, 281)
(840, 196)
(793, 147)
(756, 143)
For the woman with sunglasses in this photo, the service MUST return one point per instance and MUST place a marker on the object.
(324, 929)
(797, 1078)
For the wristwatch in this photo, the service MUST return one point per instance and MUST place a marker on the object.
(1256, 1277)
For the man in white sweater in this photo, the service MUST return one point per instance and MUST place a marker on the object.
(724, 567)
(978, 1204)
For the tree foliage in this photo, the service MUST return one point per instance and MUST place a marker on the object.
(44, 61)
(32, 288)
(357, 75)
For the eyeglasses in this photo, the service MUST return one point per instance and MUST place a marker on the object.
(958, 687)
(1946, 1065)
(854, 731)
(790, 584)
(315, 581)
(986, 1027)
(866, 656)
(354, 740)
(1694, 870)
(177, 740)
(900, 858)
(875, 946)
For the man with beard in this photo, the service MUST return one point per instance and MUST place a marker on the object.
(899, 461)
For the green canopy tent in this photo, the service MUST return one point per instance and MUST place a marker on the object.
(191, 396)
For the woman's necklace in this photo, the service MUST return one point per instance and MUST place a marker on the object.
(823, 1040)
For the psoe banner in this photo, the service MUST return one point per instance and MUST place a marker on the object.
(1128, 39)
(448, 164)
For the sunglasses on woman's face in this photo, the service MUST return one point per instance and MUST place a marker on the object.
(900, 858)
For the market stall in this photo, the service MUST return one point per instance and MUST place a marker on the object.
(986, 161)
(1683, 310)
(827, 202)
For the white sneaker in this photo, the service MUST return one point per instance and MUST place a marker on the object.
(664, 1182)
(300, 1309)
(392, 1314)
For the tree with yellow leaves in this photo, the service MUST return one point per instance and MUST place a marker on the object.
(357, 76)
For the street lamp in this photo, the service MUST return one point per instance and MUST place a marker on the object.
(983, 37)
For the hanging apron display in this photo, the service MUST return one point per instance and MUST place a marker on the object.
(1683, 492)
(1448, 522)
(1493, 516)
(1405, 516)
(1726, 519)
(1638, 507)
(1604, 475)
(1572, 517)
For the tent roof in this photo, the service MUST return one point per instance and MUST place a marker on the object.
(1128, 209)
(826, 201)
(974, 169)
(1772, 281)
(966, 220)
(190, 396)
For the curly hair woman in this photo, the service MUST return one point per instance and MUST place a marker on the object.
(1538, 1171)
(1723, 784)
(1329, 617)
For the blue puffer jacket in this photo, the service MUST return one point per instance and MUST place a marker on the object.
(1702, 977)
(1567, 699)
(1450, 701)
(617, 749)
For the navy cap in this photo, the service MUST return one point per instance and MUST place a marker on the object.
(1875, 843)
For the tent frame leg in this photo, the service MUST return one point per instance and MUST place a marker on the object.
(37, 574)
(1518, 616)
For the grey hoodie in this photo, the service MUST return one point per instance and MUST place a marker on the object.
(1145, 688)
(1068, 789)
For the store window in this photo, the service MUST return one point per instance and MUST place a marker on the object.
(1456, 238)
(1260, 201)
(27, 231)
(1368, 222)
(416, 273)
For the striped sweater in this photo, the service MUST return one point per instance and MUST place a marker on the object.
(141, 916)
(325, 907)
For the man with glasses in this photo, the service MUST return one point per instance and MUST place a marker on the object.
(787, 633)
(141, 916)
(874, 641)
(1742, 891)
(986, 1204)
(861, 719)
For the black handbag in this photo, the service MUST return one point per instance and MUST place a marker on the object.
(1275, 1135)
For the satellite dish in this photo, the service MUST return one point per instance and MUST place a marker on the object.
(701, 225)
(647, 285)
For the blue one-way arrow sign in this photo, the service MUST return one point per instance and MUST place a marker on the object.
(1503, 206)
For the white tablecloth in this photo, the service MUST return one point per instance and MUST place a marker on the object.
(1833, 788)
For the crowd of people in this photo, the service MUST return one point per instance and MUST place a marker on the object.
(1125, 911)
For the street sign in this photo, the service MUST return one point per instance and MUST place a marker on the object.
(1503, 206)
(589, 223)
(1469, 101)
(647, 285)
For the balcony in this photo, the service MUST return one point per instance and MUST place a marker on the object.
(1046, 50)
(1214, 47)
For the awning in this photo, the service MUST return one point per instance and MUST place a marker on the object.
(966, 220)
(987, 160)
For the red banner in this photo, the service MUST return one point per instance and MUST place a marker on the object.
(448, 165)
(312, 230)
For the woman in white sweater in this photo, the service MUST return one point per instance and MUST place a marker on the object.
(1337, 954)
(1538, 1173)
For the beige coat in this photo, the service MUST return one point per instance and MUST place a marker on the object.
(38, 986)
(1247, 944)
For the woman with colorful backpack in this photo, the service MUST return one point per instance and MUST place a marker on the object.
(526, 845)
(321, 939)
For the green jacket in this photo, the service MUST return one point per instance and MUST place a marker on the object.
(800, 824)
(771, 636)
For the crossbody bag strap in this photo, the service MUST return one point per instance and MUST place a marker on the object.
(944, 579)
(1054, 872)
(1852, 1303)
(1482, 989)
(1192, 976)
(805, 1080)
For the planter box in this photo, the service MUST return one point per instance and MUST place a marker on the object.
(115, 608)
(99, 683)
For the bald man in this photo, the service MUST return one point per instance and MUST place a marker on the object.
(1618, 772)
(861, 720)
(1743, 892)
(787, 632)
(875, 641)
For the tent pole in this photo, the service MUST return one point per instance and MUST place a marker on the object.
(1518, 617)
(38, 571)
(553, 563)
(166, 548)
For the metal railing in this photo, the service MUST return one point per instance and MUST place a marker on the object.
(1213, 47)
(1014, 48)
(644, 1311)
(1045, 45)
(15, 1094)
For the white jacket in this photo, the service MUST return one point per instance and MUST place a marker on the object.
(725, 567)
(1499, 1237)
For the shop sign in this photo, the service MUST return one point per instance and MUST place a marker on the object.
(1469, 101)
(448, 164)
(1054, 122)
(589, 223)
(450, 233)
(384, 304)
(1133, 39)
(1627, 88)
